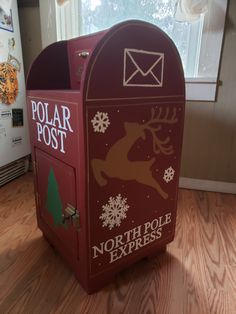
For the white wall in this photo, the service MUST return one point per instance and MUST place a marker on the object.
(209, 150)
(29, 19)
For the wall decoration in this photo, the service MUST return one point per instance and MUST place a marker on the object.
(3, 132)
(8, 83)
(14, 61)
(16, 140)
(117, 164)
(5, 114)
(114, 212)
(6, 22)
(17, 117)
(8, 80)
(11, 44)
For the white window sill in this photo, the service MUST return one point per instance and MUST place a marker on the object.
(200, 89)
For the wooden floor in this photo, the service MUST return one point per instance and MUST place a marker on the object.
(196, 275)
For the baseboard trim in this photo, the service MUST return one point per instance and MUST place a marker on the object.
(207, 185)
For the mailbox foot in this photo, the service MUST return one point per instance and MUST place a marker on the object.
(46, 238)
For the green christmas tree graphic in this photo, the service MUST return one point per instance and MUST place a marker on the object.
(53, 203)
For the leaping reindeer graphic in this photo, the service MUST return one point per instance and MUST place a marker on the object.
(117, 164)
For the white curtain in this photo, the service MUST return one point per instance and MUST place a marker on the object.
(190, 10)
(5, 5)
(62, 2)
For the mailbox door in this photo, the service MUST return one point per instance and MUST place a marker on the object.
(134, 172)
(56, 190)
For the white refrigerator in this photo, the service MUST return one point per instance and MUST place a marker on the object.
(14, 137)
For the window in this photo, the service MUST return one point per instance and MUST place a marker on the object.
(101, 14)
(198, 36)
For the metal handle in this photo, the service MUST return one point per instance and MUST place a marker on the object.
(83, 54)
(71, 214)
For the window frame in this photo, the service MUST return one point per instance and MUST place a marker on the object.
(201, 88)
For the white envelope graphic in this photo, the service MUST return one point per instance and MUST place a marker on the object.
(143, 68)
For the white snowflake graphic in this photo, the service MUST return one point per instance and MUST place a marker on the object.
(169, 174)
(114, 211)
(100, 122)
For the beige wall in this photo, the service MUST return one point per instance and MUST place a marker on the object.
(30, 34)
(209, 150)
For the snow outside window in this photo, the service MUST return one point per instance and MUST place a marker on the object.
(195, 26)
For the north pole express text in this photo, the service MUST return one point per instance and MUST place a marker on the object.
(52, 126)
(132, 240)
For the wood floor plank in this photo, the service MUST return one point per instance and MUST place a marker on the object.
(197, 274)
(218, 302)
(218, 240)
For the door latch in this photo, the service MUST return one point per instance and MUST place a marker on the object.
(83, 54)
(70, 213)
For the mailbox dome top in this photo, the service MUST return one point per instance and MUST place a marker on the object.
(133, 59)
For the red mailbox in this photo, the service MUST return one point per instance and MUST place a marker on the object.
(106, 115)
